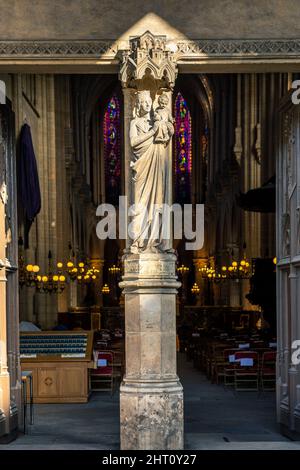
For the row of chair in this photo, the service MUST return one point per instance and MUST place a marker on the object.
(248, 365)
(246, 370)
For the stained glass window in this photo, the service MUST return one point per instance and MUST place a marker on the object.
(112, 151)
(183, 150)
(204, 153)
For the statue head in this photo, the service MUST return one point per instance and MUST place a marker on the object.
(163, 100)
(143, 103)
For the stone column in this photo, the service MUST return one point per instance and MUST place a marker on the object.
(4, 375)
(151, 400)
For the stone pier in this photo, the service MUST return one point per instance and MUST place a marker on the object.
(151, 394)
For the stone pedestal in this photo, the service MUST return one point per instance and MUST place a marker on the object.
(151, 398)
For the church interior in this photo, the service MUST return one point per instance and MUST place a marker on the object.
(69, 139)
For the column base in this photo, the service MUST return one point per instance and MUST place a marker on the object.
(8, 438)
(287, 432)
(5, 409)
(151, 415)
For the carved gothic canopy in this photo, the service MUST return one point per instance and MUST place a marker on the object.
(148, 60)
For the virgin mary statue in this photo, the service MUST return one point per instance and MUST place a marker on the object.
(150, 167)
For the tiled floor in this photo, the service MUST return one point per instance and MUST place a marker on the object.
(215, 418)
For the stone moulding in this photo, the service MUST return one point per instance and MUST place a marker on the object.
(150, 272)
(63, 49)
(239, 47)
(183, 49)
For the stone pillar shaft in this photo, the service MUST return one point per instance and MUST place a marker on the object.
(151, 394)
(4, 375)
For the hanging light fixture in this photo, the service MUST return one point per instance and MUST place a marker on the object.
(114, 269)
(51, 282)
(27, 273)
(183, 269)
(195, 289)
(241, 269)
(83, 272)
(105, 289)
(207, 272)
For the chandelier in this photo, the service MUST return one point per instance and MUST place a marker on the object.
(195, 289)
(105, 289)
(55, 280)
(52, 282)
(207, 272)
(27, 273)
(30, 276)
(115, 270)
(236, 270)
(183, 269)
(82, 272)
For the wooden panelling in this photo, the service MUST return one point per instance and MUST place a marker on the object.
(59, 382)
(73, 381)
(47, 381)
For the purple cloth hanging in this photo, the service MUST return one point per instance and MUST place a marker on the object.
(28, 181)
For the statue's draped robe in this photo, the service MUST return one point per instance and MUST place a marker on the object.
(150, 176)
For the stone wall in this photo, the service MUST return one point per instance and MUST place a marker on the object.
(106, 19)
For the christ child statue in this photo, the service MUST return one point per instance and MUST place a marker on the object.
(164, 117)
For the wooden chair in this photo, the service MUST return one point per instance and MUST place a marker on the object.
(246, 376)
(229, 367)
(218, 364)
(102, 377)
(268, 371)
(119, 364)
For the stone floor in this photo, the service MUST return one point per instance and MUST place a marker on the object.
(214, 419)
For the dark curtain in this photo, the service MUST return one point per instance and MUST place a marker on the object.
(29, 195)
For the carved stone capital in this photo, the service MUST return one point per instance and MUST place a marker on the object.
(148, 63)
